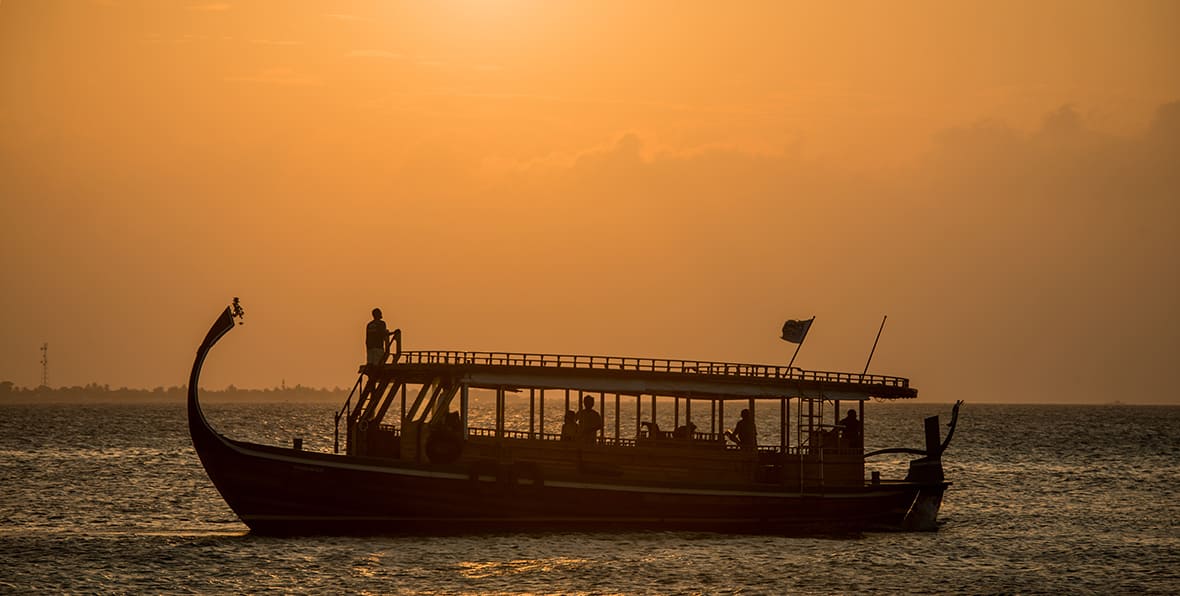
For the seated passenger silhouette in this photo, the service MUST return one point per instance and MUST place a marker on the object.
(684, 432)
(744, 433)
(444, 444)
(653, 430)
(569, 428)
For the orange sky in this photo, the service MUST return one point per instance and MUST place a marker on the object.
(665, 179)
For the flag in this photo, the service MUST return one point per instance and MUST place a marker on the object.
(794, 331)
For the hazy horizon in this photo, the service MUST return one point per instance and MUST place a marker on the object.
(337, 395)
(647, 179)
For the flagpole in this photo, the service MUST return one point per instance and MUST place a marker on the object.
(795, 354)
(874, 345)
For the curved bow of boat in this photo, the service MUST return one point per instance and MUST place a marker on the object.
(198, 427)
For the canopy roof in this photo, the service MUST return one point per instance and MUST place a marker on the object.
(640, 376)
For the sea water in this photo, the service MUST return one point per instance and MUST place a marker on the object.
(1046, 499)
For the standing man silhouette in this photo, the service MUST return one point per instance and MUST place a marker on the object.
(589, 422)
(851, 426)
(376, 338)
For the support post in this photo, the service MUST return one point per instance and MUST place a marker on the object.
(721, 416)
(638, 413)
(499, 412)
(782, 426)
(862, 426)
(787, 409)
(754, 418)
(618, 418)
(463, 396)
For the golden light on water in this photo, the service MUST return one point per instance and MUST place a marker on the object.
(493, 569)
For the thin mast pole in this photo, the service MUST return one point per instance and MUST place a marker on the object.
(866, 370)
(799, 345)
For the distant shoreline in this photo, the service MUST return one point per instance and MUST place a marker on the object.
(95, 394)
(205, 399)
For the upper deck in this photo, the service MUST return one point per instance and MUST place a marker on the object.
(640, 376)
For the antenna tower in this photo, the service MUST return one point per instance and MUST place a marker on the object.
(45, 365)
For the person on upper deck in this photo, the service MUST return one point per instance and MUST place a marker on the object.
(589, 422)
(744, 432)
(852, 436)
(376, 336)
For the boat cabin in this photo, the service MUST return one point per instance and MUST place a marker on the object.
(663, 422)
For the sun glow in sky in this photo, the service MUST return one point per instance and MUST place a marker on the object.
(663, 179)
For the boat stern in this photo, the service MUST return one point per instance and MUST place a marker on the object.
(927, 473)
(923, 513)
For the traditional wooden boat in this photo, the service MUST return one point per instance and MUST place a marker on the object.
(417, 457)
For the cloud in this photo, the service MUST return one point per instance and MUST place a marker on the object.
(275, 42)
(1062, 122)
(1164, 134)
(625, 155)
(210, 7)
(1063, 161)
(279, 76)
(375, 54)
(346, 17)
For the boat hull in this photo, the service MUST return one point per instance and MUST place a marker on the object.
(287, 491)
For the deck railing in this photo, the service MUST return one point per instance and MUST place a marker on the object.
(490, 433)
(698, 367)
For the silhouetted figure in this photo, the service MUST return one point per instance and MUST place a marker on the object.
(589, 422)
(376, 338)
(653, 430)
(444, 444)
(684, 432)
(852, 436)
(453, 422)
(569, 428)
(744, 433)
(829, 439)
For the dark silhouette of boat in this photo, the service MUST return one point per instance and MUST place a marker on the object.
(432, 471)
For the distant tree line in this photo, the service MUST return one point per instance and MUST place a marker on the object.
(95, 391)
